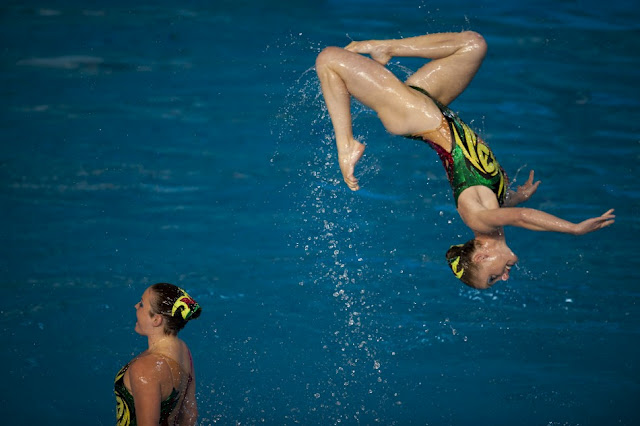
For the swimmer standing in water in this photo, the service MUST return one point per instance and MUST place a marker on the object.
(158, 386)
(417, 108)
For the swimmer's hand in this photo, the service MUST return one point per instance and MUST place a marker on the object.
(376, 50)
(523, 193)
(594, 224)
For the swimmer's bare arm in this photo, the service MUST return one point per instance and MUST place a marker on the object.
(189, 415)
(487, 221)
(523, 193)
(146, 391)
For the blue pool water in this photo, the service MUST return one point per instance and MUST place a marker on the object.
(187, 142)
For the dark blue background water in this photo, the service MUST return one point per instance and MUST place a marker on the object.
(187, 142)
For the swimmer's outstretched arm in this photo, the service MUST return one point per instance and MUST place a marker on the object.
(523, 193)
(536, 220)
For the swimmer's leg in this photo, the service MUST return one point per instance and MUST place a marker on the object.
(455, 59)
(402, 110)
(446, 77)
(338, 101)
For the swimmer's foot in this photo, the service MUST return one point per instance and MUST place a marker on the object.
(378, 52)
(348, 155)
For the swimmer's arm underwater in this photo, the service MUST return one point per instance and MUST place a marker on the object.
(536, 220)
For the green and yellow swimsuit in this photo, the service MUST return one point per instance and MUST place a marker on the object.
(125, 406)
(470, 161)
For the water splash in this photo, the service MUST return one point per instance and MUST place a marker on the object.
(348, 266)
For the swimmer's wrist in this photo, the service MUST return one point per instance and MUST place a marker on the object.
(574, 229)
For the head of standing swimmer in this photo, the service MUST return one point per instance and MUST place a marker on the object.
(165, 305)
(481, 262)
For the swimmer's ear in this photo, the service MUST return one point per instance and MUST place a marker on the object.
(157, 320)
(479, 257)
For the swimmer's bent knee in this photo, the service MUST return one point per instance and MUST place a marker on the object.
(474, 42)
(327, 55)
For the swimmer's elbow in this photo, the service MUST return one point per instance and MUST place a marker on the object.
(521, 217)
(490, 220)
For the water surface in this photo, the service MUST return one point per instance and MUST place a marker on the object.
(189, 143)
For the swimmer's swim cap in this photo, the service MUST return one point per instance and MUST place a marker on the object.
(454, 263)
(186, 305)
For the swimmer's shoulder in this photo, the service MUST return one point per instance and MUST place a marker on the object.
(149, 365)
(474, 200)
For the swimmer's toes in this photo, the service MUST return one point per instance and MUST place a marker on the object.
(352, 183)
(351, 46)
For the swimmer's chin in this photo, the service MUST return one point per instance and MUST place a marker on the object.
(480, 286)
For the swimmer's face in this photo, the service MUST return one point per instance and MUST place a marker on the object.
(144, 315)
(493, 266)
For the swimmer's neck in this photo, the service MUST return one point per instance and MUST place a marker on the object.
(492, 239)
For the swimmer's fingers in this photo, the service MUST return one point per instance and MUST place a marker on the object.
(609, 213)
(529, 188)
(604, 223)
(595, 223)
(533, 187)
(607, 219)
(530, 181)
(607, 223)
